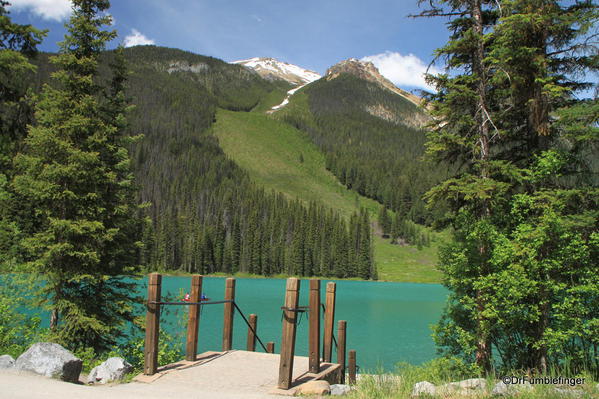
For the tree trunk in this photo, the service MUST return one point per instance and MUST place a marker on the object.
(483, 346)
(54, 319)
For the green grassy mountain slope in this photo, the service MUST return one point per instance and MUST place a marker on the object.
(282, 158)
(367, 135)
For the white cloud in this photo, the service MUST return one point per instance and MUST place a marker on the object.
(56, 10)
(136, 38)
(402, 70)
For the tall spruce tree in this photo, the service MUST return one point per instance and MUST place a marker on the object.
(74, 172)
(520, 267)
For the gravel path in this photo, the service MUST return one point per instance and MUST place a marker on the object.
(237, 375)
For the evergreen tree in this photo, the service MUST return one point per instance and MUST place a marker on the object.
(17, 43)
(512, 202)
(75, 173)
(385, 220)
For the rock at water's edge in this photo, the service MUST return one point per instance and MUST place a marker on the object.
(51, 360)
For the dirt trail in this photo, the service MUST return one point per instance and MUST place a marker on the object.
(238, 375)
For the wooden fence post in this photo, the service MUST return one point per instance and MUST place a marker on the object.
(152, 324)
(341, 340)
(289, 329)
(228, 319)
(329, 320)
(251, 344)
(352, 366)
(191, 348)
(314, 337)
(270, 347)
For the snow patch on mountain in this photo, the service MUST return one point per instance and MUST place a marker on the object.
(286, 100)
(271, 68)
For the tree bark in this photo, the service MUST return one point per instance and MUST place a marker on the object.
(483, 346)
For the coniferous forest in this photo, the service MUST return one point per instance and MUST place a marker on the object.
(203, 213)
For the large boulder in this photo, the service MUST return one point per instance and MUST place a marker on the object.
(424, 388)
(7, 362)
(51, 360)
(317, 387)
(113, 369)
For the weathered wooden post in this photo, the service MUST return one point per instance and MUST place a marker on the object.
(352, 366)
(228, 319)
(289, 329)
(329, 320)
(314, 337)
(252, 329)
(191, 348)
(341, 339)
(152, 324)
(270, 347)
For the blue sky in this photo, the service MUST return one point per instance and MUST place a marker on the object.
(309, 33)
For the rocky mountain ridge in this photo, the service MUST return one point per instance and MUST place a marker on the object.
(367, 71)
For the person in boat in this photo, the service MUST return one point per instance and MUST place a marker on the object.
(187, 297)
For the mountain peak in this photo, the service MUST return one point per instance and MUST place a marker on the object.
(367, 71)
(270, 68)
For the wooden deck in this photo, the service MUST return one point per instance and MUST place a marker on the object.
(237, 371)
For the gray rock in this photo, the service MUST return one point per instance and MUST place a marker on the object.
(478, 384)
(340, 389)
(113, 369)
(503, 389)
(424, 388)
(51, 360)
(7, 362)
(569, 393)
(473, 386)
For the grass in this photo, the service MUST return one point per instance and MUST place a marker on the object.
(440, 371)
(282, 158)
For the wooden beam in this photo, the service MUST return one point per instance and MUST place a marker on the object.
(329, 320)
(152, 324)
(352, 366)
(289, 330)
(314, 337)
(228, 318)
(341, 340)
(191, 347)
(251, 343)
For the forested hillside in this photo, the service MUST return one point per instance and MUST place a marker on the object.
(204, 214)
(365, 132)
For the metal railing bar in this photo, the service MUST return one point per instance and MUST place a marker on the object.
(190, 303)
(250, 327)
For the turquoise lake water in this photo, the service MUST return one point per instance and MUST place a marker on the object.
(386, 322)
